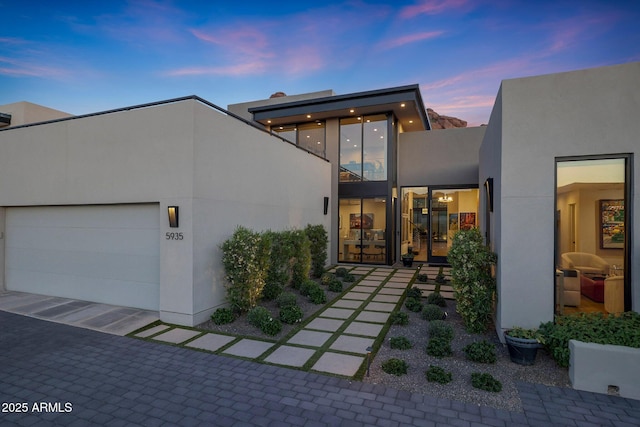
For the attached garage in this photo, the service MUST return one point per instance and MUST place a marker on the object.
(103, 253)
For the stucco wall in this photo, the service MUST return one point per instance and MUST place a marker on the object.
(536, 120)
(218, 170)
(440, 157)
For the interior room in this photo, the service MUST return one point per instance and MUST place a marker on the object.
(590, 236)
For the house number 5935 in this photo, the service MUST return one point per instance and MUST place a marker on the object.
(174, 236)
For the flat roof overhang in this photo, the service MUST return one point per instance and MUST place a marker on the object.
(405, 102)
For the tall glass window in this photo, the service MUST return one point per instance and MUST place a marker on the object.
(310, 136)
(592, 235)
(363, 148)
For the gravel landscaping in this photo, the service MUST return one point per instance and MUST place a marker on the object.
(545, 371)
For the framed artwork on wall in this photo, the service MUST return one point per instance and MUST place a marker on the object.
(611, 227)
(467, 220)
(364, 221)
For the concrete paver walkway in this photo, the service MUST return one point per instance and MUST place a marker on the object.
(78, 377)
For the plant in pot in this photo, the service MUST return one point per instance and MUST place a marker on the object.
(523, 344)
(407, 259)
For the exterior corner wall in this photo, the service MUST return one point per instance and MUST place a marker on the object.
(543, 118)
(246, 177)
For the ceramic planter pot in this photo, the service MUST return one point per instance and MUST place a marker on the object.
(522, 350)
(407, 262)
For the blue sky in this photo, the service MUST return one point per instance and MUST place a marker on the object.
(88, 56)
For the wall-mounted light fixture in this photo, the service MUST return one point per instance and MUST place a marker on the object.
(173, 216)
(326, 205)
(488, 185)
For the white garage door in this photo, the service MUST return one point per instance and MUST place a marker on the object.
(102, 253)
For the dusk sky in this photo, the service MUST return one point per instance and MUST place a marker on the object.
(89, 56)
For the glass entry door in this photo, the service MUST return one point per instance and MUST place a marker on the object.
(362, 230)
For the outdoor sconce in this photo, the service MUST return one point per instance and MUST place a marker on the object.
(488, 185)
(173, 216)
(326, 205)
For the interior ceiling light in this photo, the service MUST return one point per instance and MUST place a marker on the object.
(308, 116)
(402, 105)
(352, 111)
(445, 199)
(268, 121)
(410, 121)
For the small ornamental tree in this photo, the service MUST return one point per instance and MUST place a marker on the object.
(245, 257)
(474, 288)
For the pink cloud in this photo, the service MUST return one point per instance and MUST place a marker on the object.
(430, 7)
(229, 70)
(411, 38)
(578, 29)
(18, 68)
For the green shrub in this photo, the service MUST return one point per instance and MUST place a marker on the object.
(301, 261)
(291, 314)
(318, 241)
(401, 343)
(245, 257)
(349, 278)
(341, 271)
(271, 290)
(439, 328)
(437, 299)
(431, 312)
(481, 351)
(326, 278)
(306, 286)
(439, 347)
(413, 304)
(440, 279)
(335, 286)
(257, 316)
(282, 251)
(399, 318)
(436, 374)
(395, 366)
(317, 295)
(414, 293)
(486, 382)
(422, 278)
(474, 288)
(597, 328)
(272, 327)
(286, 299)
(222, 316)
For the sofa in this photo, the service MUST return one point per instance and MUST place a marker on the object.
(592, 287)
(585, 262)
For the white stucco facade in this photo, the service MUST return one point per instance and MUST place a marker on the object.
(220, 171)
(535, 121)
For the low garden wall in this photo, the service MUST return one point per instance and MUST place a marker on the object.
(603, 368)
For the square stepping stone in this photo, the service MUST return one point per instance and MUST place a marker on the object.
(337, 313)
(366, 329)
(248, 348)
(352, 344)
(290, 356)
(380, 306)
(391, 291)
(177, 335)
(370, 283)
(399, 280)
(211, 342)
(399, 285)
(360, 270)
(356, 295)
(425, 288)
(363, 289)
(347, 303)
(339, 364)
(152, 331)
(447, 295)
(373, 316)
(310, 338)
(378, 273)
(386, 298)
(323, 324)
